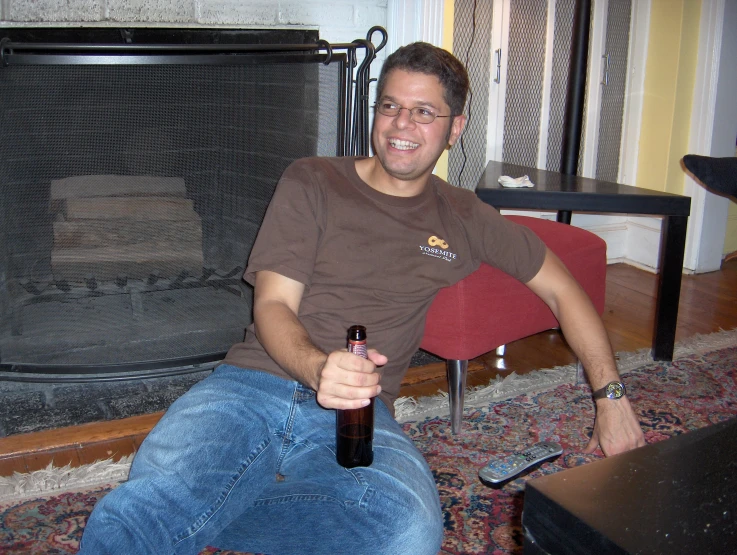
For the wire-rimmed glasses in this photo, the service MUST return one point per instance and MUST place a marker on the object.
(417, 114)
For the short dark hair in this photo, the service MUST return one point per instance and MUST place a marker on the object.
(422, 57)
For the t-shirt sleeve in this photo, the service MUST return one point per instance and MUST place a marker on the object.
(288, 237)
(504, 244)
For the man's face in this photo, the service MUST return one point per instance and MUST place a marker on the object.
(408, 150)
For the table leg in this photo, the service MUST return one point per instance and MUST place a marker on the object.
(564, 216)
(672, 247)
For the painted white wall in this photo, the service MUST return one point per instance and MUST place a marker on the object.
(412, 20)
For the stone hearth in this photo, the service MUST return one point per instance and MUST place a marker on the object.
(32, 407)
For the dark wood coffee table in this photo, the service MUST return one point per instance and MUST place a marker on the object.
(568, 193)
(678, 496)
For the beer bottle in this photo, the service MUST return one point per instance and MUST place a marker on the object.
(355, 427)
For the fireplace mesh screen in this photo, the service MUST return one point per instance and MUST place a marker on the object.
(131, 197)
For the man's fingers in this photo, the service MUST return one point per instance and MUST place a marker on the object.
(377, 358)
(342, 404)
(350, 392)
(343, 360)
(349, 370)
(345, 397)
(592, 445)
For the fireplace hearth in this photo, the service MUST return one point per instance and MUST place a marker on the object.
(134, 176)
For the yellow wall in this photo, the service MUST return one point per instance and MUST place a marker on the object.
(670, 77)
(688, 60)
(669, 82)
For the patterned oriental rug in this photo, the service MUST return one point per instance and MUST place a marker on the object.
(45, 512)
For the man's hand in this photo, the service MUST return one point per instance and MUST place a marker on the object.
(348, 381)
(616, 428)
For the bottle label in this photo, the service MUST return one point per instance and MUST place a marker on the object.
(358, 348)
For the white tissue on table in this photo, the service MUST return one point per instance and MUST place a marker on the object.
(523, 181)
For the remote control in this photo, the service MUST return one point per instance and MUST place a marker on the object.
(503, 467)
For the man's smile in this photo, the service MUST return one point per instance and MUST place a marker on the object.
(403, 145)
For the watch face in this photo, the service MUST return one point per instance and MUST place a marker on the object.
(615, 390)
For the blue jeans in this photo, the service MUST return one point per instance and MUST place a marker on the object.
(246, 461)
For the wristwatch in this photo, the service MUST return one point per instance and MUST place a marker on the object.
(612, 390)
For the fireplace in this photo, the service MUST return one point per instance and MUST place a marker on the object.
(135, 170)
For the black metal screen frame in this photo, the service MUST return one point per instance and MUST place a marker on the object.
(352, 137)
(354, 118)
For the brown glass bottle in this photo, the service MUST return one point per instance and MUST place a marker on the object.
(355, 427)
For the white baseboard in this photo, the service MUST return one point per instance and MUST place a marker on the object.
(634, 240)
(643, 241)
(648, 269)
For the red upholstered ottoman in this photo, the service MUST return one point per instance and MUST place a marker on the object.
(489, 308)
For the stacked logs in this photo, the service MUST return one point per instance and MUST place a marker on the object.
(108, 226)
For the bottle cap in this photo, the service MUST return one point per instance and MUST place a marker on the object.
(357, 333)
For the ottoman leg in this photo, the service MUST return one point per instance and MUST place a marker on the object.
(456, 371)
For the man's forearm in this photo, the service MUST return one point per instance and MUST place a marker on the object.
(585, 333)
(287, 342)
(341, 379)
(579, 321)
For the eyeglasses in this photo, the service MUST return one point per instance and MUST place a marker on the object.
(418, 114)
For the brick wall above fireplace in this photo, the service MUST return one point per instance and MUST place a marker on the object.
(336, 20)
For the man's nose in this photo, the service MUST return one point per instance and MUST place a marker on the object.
(403, 118)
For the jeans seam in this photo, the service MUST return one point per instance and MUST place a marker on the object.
(287, 438)
(298, 497)
(368, 491)
(200, 522)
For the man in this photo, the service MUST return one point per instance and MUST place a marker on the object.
(246, 459)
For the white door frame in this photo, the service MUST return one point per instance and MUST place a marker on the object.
(597, 47)
(708, 220)
(635, 93)
(497, 79)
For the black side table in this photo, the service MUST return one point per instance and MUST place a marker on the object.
(678, 496)
(568, 193)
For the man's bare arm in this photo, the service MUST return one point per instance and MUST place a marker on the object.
(616, 428)
(341, 379)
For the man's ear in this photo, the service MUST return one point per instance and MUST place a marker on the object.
(456, 128)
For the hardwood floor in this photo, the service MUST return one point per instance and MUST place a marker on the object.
(708, 304)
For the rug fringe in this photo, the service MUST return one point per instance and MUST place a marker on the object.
(51, 479)
(409, 409)
(67, 478)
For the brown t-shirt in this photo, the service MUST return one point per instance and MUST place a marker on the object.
(374, 259)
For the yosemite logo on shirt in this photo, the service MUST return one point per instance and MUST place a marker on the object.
(437, 248)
